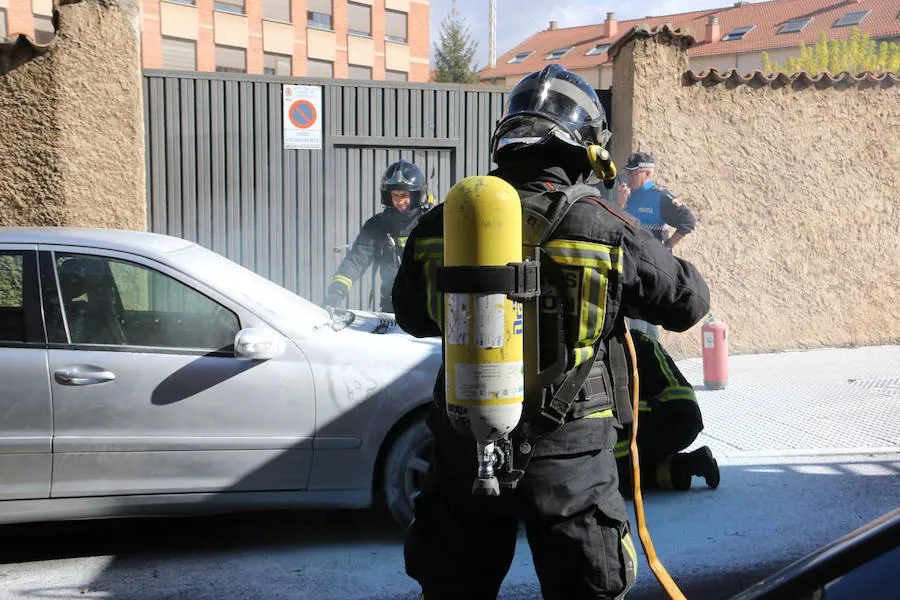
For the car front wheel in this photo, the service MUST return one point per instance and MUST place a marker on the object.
(405, 469)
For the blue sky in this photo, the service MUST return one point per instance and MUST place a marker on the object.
(518, 19)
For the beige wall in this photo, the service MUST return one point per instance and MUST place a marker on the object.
(73, 142)
(322, 44)
(278, 37)
(231, 30)
(177, 20)
(796, 194)
(360, 50)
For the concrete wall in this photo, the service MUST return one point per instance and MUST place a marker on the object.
(795, 188)
(71, 123)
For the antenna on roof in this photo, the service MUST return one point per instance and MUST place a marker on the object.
(492, 32)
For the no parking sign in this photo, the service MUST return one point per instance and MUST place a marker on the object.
(302, 117)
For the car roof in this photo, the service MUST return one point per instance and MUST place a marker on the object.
(122, 240)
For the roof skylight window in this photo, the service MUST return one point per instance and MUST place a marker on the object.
(520, 57)
(598, 49)
(558, 53)
(795, 25)
(738, 33)
(852, 18)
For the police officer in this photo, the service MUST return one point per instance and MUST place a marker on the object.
(655, 208)
(460, 545)
(652, 205)
(669, 422)
(404, 194)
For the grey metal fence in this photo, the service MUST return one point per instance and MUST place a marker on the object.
(218, 174)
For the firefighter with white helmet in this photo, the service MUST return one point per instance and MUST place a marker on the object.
(558, 473)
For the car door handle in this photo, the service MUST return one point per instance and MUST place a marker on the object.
(83, 375)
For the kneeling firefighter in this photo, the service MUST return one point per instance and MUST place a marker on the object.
(669, 422)
(555, 469)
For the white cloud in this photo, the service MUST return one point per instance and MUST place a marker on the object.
(519, 19)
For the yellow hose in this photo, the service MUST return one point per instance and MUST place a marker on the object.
(665, 580)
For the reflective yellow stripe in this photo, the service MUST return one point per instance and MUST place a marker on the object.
(344, 280)
(622, 449)
(664, 473)
(642, 405)
(603, 414)
(582, 354)
(585, 254)
(431, 252)
(629, 547)
(432, 248)
(401, 241)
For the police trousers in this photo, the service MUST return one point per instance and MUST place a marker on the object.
(460, 546)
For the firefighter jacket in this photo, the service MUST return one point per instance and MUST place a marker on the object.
(669, 418)
(381, 241)
(656, 207)
(611, 270)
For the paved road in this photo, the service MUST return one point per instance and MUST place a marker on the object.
(809, 446)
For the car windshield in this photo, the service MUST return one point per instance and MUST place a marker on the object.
(293, 315)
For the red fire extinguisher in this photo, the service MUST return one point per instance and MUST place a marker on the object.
(715, 353)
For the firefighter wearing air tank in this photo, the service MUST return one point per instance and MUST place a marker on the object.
(557, 474)
(404, 195)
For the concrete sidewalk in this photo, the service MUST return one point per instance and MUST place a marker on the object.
(802, 403)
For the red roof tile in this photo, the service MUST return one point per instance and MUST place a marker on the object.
(767, 17)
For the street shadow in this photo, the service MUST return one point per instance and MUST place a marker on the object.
(715, 543)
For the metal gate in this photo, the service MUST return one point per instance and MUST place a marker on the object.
(217, 172)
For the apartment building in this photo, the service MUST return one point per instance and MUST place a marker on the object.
(731, 37)
(357, 39)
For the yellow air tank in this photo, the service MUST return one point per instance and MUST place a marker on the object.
(483, 331)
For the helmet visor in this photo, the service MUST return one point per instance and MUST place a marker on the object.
(563, 97)
(406, 176)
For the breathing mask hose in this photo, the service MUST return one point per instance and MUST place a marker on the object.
(665, 580)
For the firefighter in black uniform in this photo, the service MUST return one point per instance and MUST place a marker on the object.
(404, 194)
(460, 545)
(669, 422)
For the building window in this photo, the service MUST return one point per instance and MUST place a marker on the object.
(318, 14)
(359, 72)
(852, 18)
(43, 29)
(276, 64)
(320, 68)
(795, 25)
(520, 57)
(395, 26)
(4, 31)
(231, 60)
(231, 6)
(558, 53)
(179, 54)
(277, 10)
(396, 75)
(598, 49)
(359, 19)
(738, 33)
(187, 2)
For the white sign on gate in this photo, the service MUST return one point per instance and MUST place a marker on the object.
(302, 117)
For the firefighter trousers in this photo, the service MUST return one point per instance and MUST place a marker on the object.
(461, 546)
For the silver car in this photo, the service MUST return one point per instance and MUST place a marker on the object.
(142, 374)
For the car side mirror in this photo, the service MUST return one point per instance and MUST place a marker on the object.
(257, 344)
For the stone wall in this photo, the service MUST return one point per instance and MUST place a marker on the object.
(71, 123)
(795, 183)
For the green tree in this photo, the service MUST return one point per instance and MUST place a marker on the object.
(855, 54)
(453, 57)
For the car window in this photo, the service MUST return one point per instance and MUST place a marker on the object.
(114, 302)
(12, 313)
